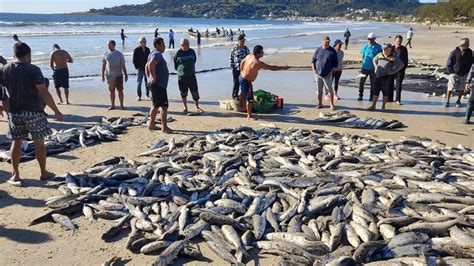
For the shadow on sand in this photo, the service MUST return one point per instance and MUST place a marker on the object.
(24, 235)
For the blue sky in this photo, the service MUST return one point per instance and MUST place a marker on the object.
(65, 6)
(59, 6)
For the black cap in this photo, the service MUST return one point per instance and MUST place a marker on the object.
(241, 37)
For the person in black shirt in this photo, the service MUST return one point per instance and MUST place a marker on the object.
(140, 57)
(402, 53)
(347, 35)
(27, 91)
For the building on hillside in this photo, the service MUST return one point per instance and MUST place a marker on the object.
(443, 1)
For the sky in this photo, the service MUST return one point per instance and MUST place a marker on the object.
(59, 6)
(66, 6)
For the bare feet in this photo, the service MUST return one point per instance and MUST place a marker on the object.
(111, 108)
(167, 130)
(399, 103)
(46, 175)
(185, 111)
(333, 107)
(319, 106)
(199, 109)
(251, 117)
(68, 103)
(123, 108)
(60, 102)
(372, 108)
(383, 107)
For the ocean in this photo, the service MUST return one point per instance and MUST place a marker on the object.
(85, 38)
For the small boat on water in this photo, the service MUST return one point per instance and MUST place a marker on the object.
(210, 36)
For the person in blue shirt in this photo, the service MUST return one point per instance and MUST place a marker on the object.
(368, 51)
(171, 39)
(324, 63)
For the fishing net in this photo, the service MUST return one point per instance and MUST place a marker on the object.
(263, 101)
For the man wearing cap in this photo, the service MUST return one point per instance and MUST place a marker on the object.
(459, 64)
(386, 63)
(324, 63)
(238, 53)
(368, 51)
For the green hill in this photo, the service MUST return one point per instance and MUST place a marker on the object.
(453, 11)
(257, 8)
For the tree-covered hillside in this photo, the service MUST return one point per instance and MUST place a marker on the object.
(453, 11)
(257, 8)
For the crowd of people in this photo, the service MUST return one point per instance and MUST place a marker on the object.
(24, 91)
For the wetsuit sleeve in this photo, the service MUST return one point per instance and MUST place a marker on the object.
(2, 60)
(135, 58)
(232, 64)
(469, 77)
(195, 57)
(1, 75)
(451, 62)
(175, 60)
(315, 57)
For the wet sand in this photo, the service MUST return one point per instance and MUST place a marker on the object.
(50, 244)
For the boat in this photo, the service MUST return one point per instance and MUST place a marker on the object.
(203, 35)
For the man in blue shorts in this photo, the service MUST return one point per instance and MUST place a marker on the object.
(249, 68)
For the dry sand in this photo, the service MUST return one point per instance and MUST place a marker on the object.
(49, 244)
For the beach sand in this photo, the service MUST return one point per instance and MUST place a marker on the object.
(50, 244)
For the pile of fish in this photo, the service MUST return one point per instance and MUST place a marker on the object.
(310, 197)
(68, 139)
(344, 118)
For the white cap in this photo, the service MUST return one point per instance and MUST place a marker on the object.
(371, 36)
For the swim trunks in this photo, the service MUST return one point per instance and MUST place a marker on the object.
(159, 96)
(246, 89)
(190, 83)
(61, 78)
(32, 123)
(116, 82)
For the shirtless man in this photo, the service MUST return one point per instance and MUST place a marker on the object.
(249, 68)
(58, 63)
